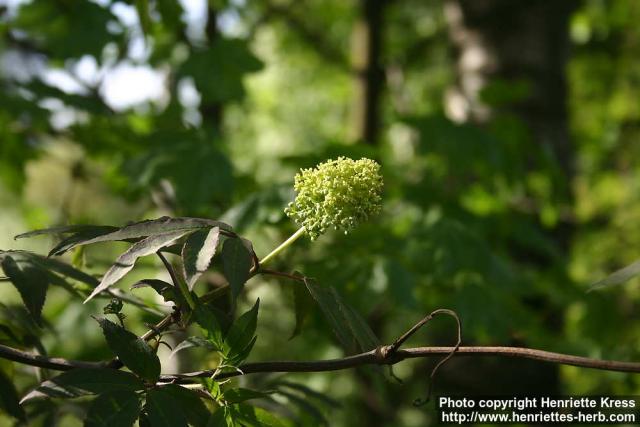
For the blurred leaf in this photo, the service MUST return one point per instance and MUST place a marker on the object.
(307, 392)
(303, 303)
(236, 263)
(66, 32)
(116, 408)
(82, 381)
(9, 402)
(352, 331)
(307, 407)
(238, 395)
(133, 351)
(31, 283)
(619, 277)
(197, 253)
(127, 260)
(241, 336)
(142, 7)
(219, 70)
(252, 416)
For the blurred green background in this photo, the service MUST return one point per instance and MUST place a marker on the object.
(507, 132)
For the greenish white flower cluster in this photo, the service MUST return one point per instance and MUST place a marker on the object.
(337, 193)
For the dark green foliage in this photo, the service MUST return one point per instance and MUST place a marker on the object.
(9, 401)
(240, 338)
(81, 382)
(173, 405)
(236, 262)
(351, 330)
(31, 282)
(134, 352)
(113, 409)
(185, 403)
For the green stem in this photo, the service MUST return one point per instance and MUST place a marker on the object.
(295, 236)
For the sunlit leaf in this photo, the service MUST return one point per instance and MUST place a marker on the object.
(135, 231)
(198, 250)
(127, 260)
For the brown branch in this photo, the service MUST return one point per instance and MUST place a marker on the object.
(372, 357)
(40, 361)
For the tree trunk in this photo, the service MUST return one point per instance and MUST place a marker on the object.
(509, 41)
(212, 111)
(368, 73)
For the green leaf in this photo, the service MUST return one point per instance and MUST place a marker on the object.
(205, 316)
(84, 381)
(236, 263)
(136, 231)
(302, 304)
(168, 406)
(127, 260)
(81, 237)
(306, 406)
(197, 253)
(31, 282)
(62, 268)
(185, 401)
(238, 395)
(222, 417)
(352, 331)
(251, 416)
(617, 278)
(66, 229)
(194, 342)
(160, 286)
(116, 408)
(241, 336)
(218, 71)
(133, 351)
(9, 402)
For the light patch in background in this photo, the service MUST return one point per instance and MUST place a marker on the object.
(126, 85)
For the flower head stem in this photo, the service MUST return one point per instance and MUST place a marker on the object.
(295, 236)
